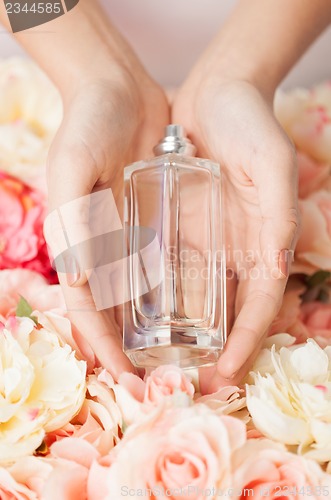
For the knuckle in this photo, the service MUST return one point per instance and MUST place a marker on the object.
(271, 301)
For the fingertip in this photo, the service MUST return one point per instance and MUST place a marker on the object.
(227, 369)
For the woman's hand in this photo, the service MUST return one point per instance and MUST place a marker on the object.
(107, 124)
(232, 122)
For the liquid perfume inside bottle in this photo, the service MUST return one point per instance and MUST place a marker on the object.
(175, 268)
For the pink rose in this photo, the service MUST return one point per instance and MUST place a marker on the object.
(165, 381)
(15, 283)
(288, 318)
(313, 251)
(164, 385)
(97, 423)
(179, 450)
(52, 478)
(306, 117)
(316, 318)
(12, 490)
(303, 320)
(226, 401)
(312, 175)
(265, 470)
(22, 243)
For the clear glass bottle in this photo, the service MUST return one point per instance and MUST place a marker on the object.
(175, 274)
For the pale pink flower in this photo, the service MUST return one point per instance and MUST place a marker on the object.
(17, 283)
(263, 469)
(52, 478)
(313, 175)
(306, 117)
(10, 489)
(177, 449)
(99, 420)
(313, 250)
(167, 385)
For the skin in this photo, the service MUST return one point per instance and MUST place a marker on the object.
(225, 105)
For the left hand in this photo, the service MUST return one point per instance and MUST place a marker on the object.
(232, 122)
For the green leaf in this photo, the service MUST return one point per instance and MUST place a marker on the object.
(24, 310)
(317, 278)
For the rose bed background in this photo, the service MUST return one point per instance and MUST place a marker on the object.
(70, 432)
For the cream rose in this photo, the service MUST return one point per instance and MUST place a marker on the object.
(30, 113)
(291, 404)
(42, 386)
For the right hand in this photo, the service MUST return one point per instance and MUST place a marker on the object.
(107, 124)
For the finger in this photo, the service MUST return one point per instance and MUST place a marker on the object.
(215, 381)
(98, 328)
(275, 177)
(259, 301)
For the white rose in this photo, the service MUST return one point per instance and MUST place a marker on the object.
(30, 114)
(292, 405)
(42, 386)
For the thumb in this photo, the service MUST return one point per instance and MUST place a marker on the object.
(76, 216)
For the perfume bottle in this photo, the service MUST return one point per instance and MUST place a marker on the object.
(174, 280)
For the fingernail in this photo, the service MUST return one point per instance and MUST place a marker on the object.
(72, 269)
(284, 262)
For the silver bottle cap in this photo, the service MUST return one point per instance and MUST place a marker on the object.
(174, 141)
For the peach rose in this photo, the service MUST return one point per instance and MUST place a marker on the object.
(51, 478)
(226, 401)
(306, 117)
(167, 385)
(99, 419)
(313, 251)
(22, 243)
(15, 283)
(12, 490)
(312, 175)
(316, 318)
(264, 469)
(288, 318)
(183, 452)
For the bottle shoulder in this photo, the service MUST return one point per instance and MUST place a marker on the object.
(173, 160)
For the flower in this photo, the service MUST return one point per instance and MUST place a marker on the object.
(11, 489)
(177, 449)
(313, 247)
(30, 114)
(48, 478)
(22, 243)
(316, 317)
(265, 469)
(306, 117)
(165, 381)
(226, 401)
(17, 283)
(42, 386)
(98, 421)
(290, 404)
(312, 174)
(166, 385)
